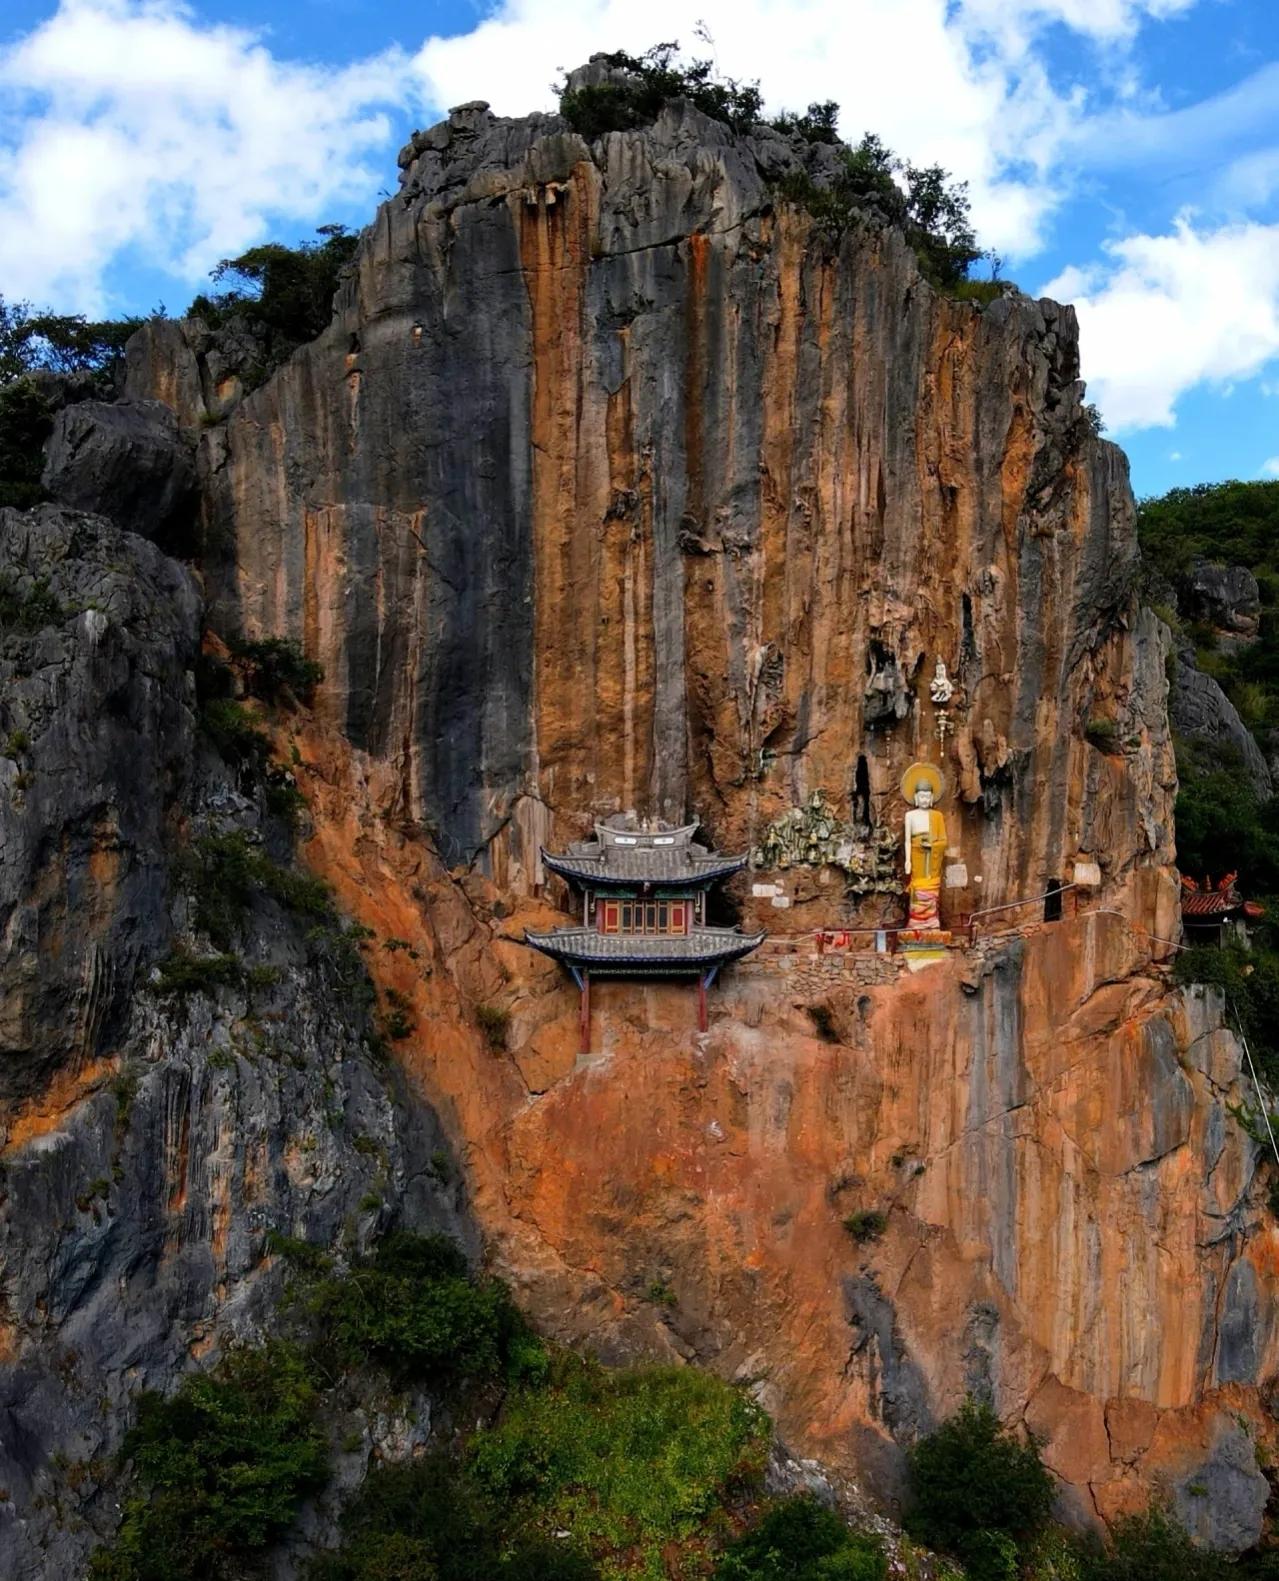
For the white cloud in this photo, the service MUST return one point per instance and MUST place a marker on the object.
(135, 127)
(1174, 455)
(1166, 313)
(1270, 469)
(141, 128)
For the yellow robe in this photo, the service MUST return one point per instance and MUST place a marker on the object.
(927, 848)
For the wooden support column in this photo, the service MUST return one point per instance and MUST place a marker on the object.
(586, 1012)
(701, 1001)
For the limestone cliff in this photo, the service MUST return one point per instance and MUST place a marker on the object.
(619, 485)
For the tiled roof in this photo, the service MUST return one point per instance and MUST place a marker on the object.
(1208, 903)
(641, 952)
(632, 857)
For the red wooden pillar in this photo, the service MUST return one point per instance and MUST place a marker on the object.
(586, 1012)
(701, 1001)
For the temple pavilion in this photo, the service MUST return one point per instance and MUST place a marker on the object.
(643, 911)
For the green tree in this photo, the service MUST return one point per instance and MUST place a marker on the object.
(220, 1470)
(972, 1478)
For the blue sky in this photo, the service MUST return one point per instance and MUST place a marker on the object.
(1122, 154)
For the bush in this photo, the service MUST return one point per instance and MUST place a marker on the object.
(220, 1470)
(26, 421)
(801, 1540)
(651, 81)
(415, 1308)
(867, 1225)
(428, 1520)
(225, 875)
(276, 666)
(1101, 733)
(236, 733)
(495, 1024)
(28, 609)
(1153, 1547)
(971, 1477)
(629, 1462)
(184, 973)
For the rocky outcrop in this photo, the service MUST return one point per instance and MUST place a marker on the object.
(97, 635)
(1201, 712)
(1225, 597)
(617, 484)
(151, 1136)
(127, 461)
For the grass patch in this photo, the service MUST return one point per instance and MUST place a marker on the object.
(28, 609)
(1101, 733)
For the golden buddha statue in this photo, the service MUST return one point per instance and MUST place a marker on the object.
(925, 844)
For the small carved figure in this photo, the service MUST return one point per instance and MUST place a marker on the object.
(925, 844)
(941, 688)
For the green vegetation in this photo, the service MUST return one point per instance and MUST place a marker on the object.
(630, 1462)
(866, 1225)
(225, 874)
(495, 1024)
(932, 210)
(27, 609)
(236, 732)
(219, 1470)
(652, 80)
(801, 1540)
(58, 342)
(978, 1492)
(32, 343)
(282, 296)
(1102, 734)
(26, 421)
(275, 668)
(429, 1520)
(414, 1308)
(183, 973)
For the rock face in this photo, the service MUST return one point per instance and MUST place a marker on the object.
(149, 1141)
(618, 485)
(1226, 597)
(126, 460)
(1200, 711)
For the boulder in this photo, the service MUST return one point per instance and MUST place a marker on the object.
(1201, 711)
(1226, 597)
(127, 461)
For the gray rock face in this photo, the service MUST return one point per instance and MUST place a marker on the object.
(151, 1142)
(1226, 596)
(1222, 1502)
(127, 461)
(97, 634)
(1201, 711)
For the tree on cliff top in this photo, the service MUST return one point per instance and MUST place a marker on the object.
(282, 296)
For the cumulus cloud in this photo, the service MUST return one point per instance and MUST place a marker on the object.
(1165, 313)
(1270, 469)
(130, 125)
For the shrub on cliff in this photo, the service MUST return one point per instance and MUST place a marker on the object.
(971, 1479)
(220, 1470)
(645, 83)
(630, 1462)
(415, 1308)
(801, 1540)
(1154, 1547)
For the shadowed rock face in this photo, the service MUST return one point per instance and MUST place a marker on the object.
(615, 485)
